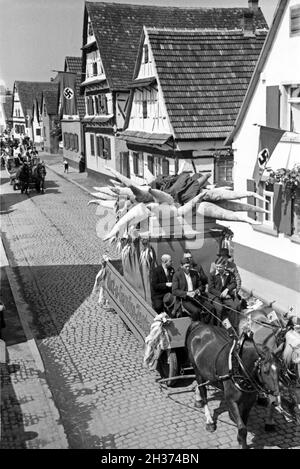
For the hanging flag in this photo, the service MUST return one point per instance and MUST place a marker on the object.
(268, 139)
(68, 94)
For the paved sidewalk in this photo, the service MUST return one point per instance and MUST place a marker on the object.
(29, 417)
(83, 180)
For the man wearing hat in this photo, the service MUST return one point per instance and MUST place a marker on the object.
(161, 282)
(222, 288)
(186, 284)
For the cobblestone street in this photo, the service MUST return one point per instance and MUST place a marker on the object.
(93, 364)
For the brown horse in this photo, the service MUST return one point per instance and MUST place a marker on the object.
(39, 174)
(239, 375)
(23, 174)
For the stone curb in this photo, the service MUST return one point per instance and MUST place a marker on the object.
(23, 312)
(67, 179)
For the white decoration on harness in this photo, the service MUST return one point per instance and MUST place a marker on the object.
(272, 316)
(226, 323)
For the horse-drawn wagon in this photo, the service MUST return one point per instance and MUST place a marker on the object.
(28, 175)
(144, 224)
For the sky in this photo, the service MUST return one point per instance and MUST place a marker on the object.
(37, 35)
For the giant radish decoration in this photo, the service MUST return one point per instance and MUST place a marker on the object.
(133, 203)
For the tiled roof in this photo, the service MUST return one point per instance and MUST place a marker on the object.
(118, 27)
(51, 98)
(204, 76)
(8, 107)
(73, 64)
(29, 91)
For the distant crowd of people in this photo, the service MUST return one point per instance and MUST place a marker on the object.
(15, 152)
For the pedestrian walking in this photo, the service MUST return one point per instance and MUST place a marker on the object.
(66, 165)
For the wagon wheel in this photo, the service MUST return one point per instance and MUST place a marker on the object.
(167, 366)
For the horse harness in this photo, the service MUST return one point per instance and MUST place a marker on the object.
(237, 372)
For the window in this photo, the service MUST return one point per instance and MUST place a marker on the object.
(146, 53)
(97, 105)
(107, 149)
(92, 143)
(138, 164)
(157, 166)
(145, 109)
(67, 141)
(165, 167)
(45, 111)
(223, 170)
(90, 29)
(90, 105)
(95, 69)
(99, 145)
(37, 132)
(103, 104)
(294, 108)
(76, 143)
(151, 163)
(295, 20)
(268, 205)
(290, 108)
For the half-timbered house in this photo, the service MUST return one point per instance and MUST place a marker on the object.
(111, 36)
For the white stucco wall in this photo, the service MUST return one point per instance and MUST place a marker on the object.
(282, 66)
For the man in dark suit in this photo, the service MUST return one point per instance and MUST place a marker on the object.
(186, 284)
(198, 269)
(161, 282)
(222, 289)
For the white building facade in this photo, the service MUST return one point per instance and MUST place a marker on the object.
(268, 255)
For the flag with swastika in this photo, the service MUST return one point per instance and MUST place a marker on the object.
(268, 139)
(68, 104)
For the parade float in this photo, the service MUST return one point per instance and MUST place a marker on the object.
(166, 215)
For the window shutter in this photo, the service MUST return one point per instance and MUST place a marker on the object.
(273, 107)
(135, 163)
(151, 163)
(277, 206)
(107, 151)
(165, 167)
(282, 214)
(92, 141)
(145, 109)
(76, 143)
(98, 145)
(251, 186)
(286, 213)
(124, 158)
(146, 54)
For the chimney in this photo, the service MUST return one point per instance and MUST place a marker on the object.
(248, 24)
(253, 5)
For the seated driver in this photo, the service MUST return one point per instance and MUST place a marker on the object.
(185, 284)
(222, 289)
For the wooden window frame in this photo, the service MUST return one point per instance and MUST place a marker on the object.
(146, 53)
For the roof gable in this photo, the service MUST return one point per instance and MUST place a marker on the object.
(203, 75)
(118, 27)
(50, 98)
(281, 7)
(29, 91)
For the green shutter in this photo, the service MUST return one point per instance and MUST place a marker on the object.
(251, 186)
